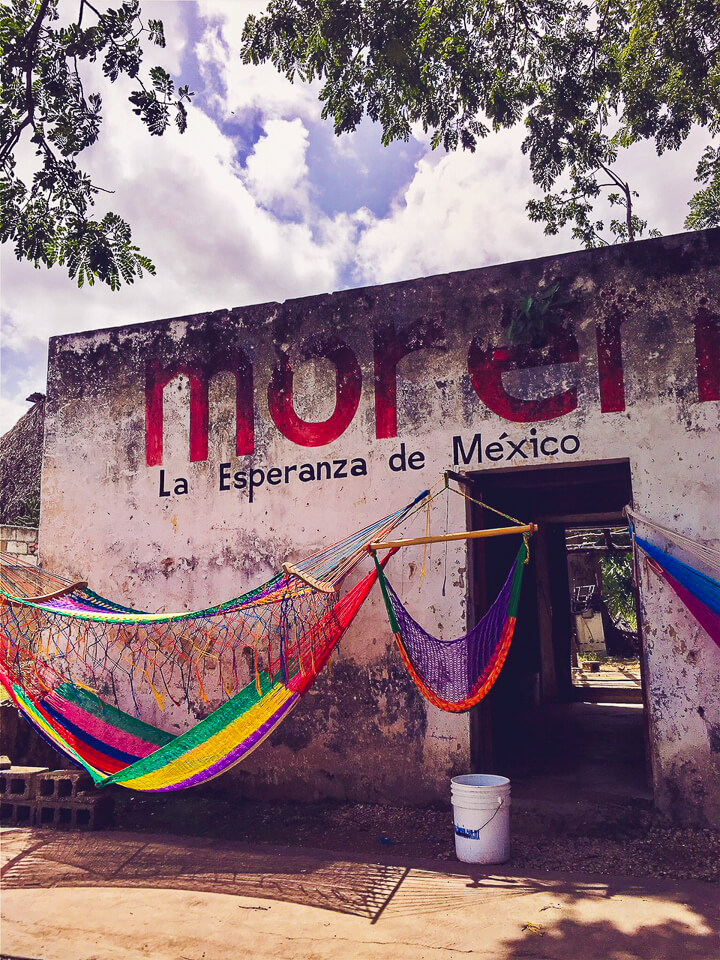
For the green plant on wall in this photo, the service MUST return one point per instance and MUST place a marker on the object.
(536, 316)
(618, 588)
(31, 514)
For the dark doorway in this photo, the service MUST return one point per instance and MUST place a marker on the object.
(536, 722)
(605, 655)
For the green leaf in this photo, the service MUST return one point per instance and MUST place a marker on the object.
(48, 216)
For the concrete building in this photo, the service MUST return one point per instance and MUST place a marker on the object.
(187, 459)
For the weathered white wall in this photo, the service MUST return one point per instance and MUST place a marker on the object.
(365, 732)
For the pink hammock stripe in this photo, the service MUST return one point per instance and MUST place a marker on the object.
(98, 728)
(707, 618)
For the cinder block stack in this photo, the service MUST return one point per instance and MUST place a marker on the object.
(17, 793)
(68, 798)
(36, 796)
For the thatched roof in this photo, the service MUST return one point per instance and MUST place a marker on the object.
(20, 462)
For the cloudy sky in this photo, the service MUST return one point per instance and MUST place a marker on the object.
(260, 201)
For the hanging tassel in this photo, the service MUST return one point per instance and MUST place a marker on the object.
(258, 685)
(423, 570)
(447, 527)
(158, 696)
(200, 683)
(303, 671)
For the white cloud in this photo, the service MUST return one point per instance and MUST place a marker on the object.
(277, 172)
(461, 210)
(665, 183)
(466, 210)
(243, 87)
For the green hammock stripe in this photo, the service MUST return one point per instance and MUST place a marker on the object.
(394, 625)
(132, 617)
(517, 581)
(91, 703)
(196, 735)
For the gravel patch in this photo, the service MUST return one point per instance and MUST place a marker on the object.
(626, 839)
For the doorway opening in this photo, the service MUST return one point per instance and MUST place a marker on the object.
(605, 639)
(554, 722)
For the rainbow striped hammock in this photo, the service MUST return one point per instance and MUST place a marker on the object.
(698, 591)
(455, 675)
(69, 658)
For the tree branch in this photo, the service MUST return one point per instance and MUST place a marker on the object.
(28, 41)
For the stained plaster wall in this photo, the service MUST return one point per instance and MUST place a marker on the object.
(631, 375)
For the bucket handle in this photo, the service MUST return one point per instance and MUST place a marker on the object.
(501, 803)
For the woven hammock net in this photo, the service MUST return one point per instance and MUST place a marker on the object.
(456, 674)
(83, 669)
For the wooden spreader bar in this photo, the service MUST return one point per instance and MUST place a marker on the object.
(466, 535)
(323, 586)
(78, 585)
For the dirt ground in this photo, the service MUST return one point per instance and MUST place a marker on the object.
(615, 836)
(112, 895)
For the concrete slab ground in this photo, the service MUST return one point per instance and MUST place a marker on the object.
(125, 896)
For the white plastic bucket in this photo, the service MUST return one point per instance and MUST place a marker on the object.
(481, 812)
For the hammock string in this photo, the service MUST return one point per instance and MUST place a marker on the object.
(52, 651)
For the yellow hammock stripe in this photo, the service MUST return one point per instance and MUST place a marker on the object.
(206, 754)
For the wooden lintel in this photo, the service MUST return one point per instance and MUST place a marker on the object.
(527, 528)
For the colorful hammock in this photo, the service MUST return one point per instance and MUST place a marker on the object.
(69, 657)
(456, 674)
(699, 592)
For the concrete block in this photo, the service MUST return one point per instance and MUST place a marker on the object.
(12, 547)
(26, 534)
(18, 784)
(81, 816)
(14, 814)
(65, 786)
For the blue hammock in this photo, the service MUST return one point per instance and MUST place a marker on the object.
(699, 584)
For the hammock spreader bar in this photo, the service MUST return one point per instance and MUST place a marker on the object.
(455, 675)
(525, 529)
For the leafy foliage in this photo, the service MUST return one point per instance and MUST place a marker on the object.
(537, 315)
(585, 78)
(705, 205)
(617, 587)
(49, 220)
(31, 513)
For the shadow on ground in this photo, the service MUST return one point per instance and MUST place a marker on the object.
(602, 939)
(687, 928)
